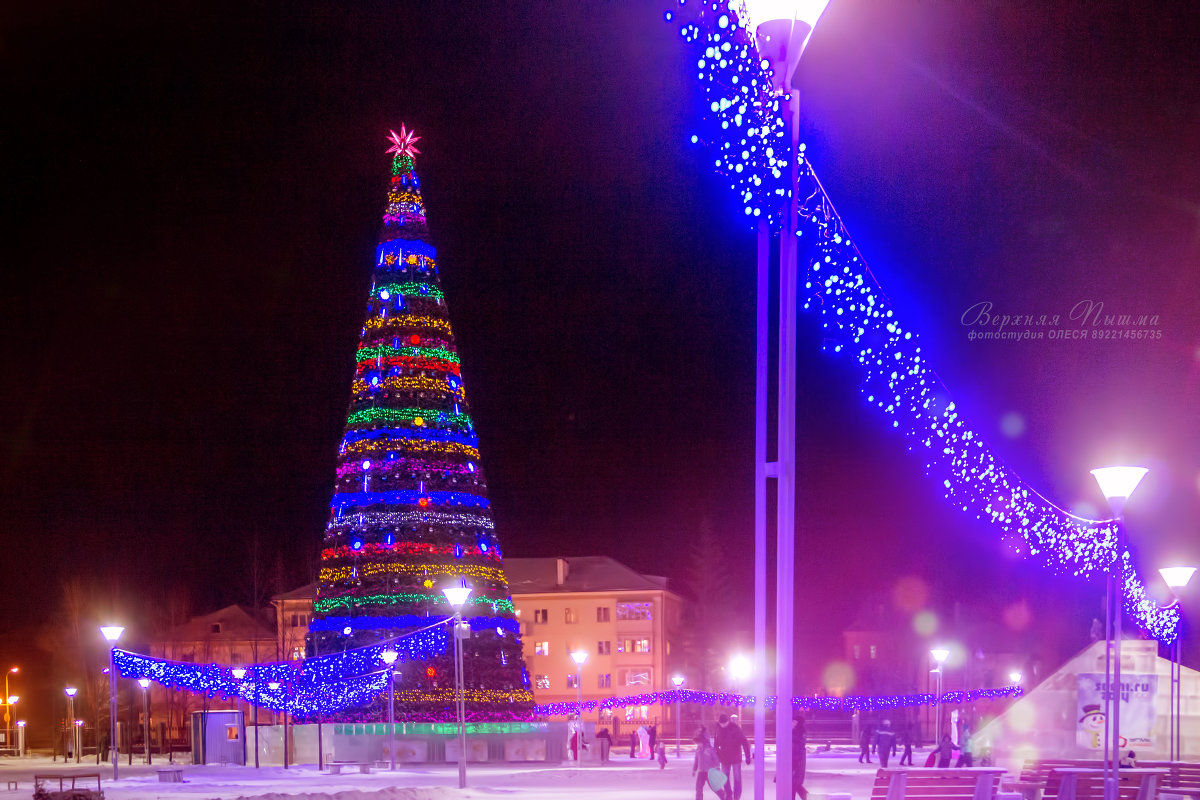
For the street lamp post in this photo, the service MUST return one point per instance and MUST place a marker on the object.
(389, 657)
(781, 31)
(145, 684)
(579, 656)
(1177, 579)
(940, 654)
(21, 738)
(8, 715)
(456, 596)
(1117, 483)
(112, 633)
(678, 681)
(70, 692)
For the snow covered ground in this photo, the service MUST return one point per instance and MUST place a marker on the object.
(829, 772)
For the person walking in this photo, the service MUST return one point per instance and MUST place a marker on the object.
(706, 759)
(653, 730)
(906, 741)
(799, 756)
(633, 740)
(944, 751)
(866, 734)
(731, 744)
(604, 740)
(885, 743)
(662, 755)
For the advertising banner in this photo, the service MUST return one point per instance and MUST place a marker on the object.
(1137, 710)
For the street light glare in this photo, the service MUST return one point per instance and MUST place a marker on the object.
(579, 656)
(71, 690)
(740, 668)
(144, 683)
(1177, 577)
(940, 654)
(239, 673)
(1015, 676)
(457, 595)
(677, 680)
(1117, 483)
(389, 656)
(112, 632)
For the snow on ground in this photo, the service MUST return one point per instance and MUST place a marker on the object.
(828, 772)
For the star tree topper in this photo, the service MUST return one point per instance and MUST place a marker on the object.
(402, 143)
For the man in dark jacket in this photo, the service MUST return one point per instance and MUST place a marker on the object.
(885, 742)
(731, 744)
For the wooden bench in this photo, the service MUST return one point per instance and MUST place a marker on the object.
(1087, 783)
(1182, 778)
(41, 786)
(170, 775)
(335, 767)
(964, 783)
(1035, 775)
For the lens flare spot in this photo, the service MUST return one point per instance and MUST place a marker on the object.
(1017, 616)
(1012, 424)
(838, 678)
(925, 623)
(910, 594)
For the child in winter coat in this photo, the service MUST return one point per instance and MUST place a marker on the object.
(706, 759)
(662, 756)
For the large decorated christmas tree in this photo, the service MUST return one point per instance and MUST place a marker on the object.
(410, 514)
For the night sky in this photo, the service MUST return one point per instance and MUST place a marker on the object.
(192, 193)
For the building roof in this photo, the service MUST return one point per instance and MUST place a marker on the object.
(306, 592)
(581, 574)
(232, 623)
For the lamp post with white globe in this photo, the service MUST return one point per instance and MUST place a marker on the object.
(70, 692)
(678, 681)
(781, 29)
(1117, 483)
(111, 634)
(456, 596)
(579, 656)
(1177, 579)
(389, 657)
(939, 655)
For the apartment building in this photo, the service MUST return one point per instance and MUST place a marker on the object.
(626, 622)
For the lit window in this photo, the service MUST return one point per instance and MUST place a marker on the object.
(542, 681)
(541, 648)
(635, 611)
(603, 648)
(873, 652)
(604, 681)
(857, 652)
(573, 681)
(571, 617)
(635, 677)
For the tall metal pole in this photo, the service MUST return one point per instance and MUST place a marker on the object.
(578, 714)
(760, 512)
(256, 699)
(1118, 613)
(71, 726)
(112, 707)
(146, 722)
(1108, 616)
(785, 531)
(678, 721)
(1178, 697)
(392, 716)
(458, 690)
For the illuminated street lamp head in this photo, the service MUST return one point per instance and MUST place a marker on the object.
(739, 668)
(457, 595)
(677, 680)
(239, 673)
(70, 690)
(20, 723)
(78, 723)
(579, 656)
(144, 683)
(13, 698)
(1177, 578)
(782, 29)
(112, 632)
(14, 669)
(940, 655)
(389, 656)
(1014, 677)
(1117, 483)
(273, 685)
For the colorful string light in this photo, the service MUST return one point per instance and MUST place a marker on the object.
(744, 135)
(819, 703)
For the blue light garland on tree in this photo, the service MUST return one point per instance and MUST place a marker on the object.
(818, 703)
(744, 136)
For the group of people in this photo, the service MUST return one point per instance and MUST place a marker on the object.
(718, 763)
(885, 742)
